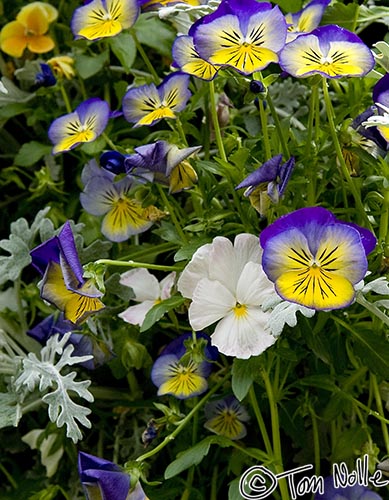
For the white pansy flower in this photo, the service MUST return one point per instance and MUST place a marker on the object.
(228, 287)
(148, 292)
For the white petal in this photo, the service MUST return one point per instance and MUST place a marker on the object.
(253, 287)
(243, 336)
(135, 315)
(222, 265)
(211, 302)
(143, 283)
(194, 271)
(247, 249)
(166, 286)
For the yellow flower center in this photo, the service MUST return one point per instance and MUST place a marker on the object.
(240, 310)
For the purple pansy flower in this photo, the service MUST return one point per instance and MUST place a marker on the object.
(379, 117)
(246, 36)
(315, 259)
(271, 178)
(63, 284)
(306, 19)
(85, 124)
(148, 104)
(184, 365)
(167, 163)
(104, 480)
(330, 51)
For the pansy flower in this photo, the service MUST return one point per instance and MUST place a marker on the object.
(306, 19)
(85, 124)
(246, 35)
(184, 365)
(62, 66)
(330, 51)
(380, 118)
(104, 18)
(226, 417)
(267, 182)
(29, 30)
(102, 479)
(355, 492)
(228, 287)
(148, 292)
(186, 57)
(124, 215)
(315, 259)
(63, 284)
(167, 162)
(148, 104)
(83, 344)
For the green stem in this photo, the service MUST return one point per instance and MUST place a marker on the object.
(145, 58)
(131, 263)
(11, 480)
(380, 409)
(264, 128)
(372, 308)
(215, 473)
(65, 99)
(215, 121)
(383, 235)
(261, 423)
(108, 141)
(277, 123)
(338, 149)
(312, 117)
(184, 421)
(275, 425)
(172, 214)
(316, 441)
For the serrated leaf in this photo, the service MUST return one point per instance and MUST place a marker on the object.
(30, 153)
(12, 265)
(10, 93)
(124, 48)
(157, 311)
(244, 372)
(194, 455)
(45, 374)
(9, 415)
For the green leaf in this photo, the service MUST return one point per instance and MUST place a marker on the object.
(342, 15)
(152, 32)
(30, 153)
(124, 48)
(244, 372)
(194, 455)
(13, 109)
(10, 93)
(373, 350)
(186, 251)
(157, 311)
(88, 66)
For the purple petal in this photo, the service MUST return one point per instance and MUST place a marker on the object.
(95, 109)
(381, 91)
(45, 253)
(69, 253)
(303, 219)
(265, 173)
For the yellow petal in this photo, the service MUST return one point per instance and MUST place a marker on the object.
(315, 288)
